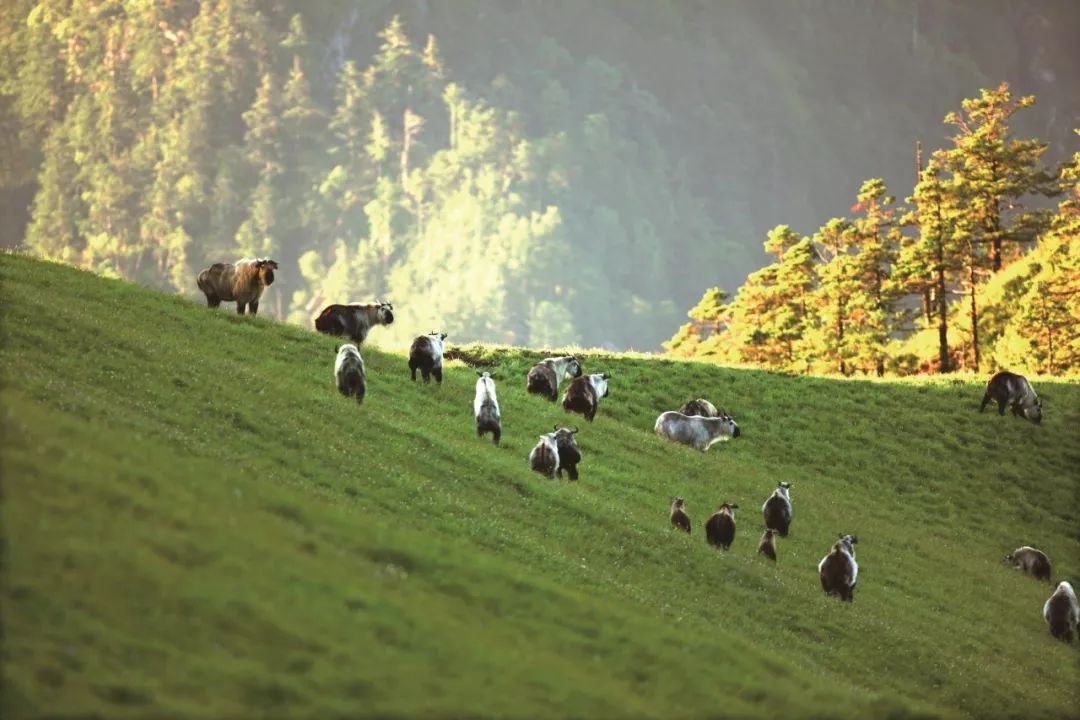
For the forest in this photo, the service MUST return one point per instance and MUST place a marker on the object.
(563, 173)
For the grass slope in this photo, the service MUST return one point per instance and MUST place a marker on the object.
(197, 525)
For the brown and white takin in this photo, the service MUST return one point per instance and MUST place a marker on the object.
(426, 355)
(1062, 612)
(720, 527)
(679, 518)
(694, 430)
(349, 372)
(242, 283)
(838, 570)
(701, 407)
(544, 377)
(777, 509)
(1032, 561)
(1014, 390)
(486, 408)
(584, 393)
(354, 320)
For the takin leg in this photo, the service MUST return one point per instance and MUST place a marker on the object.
(1001, 407)
(253, 307)
(437, 372)
(213, 301)
(412, 369)
(571, 470)
(426, 374)
(985, 401)
(495, 435)
(240, 307)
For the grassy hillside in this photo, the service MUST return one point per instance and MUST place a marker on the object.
(197, 525)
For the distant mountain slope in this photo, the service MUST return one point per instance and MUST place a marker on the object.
(197, 525)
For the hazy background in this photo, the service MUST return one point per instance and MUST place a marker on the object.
(543, 173)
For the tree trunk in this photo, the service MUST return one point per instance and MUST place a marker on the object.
(943, 312)
(974, 314)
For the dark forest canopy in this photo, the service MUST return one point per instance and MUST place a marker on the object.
(534, 173)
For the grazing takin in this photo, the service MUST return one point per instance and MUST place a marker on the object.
(545, 376)
(486, 408)
(349, 372)
(777, 509)
(679, 518)
(767, 545)
(1014, 390)
(355, 320)
(838, 570)
(569, 452)
(243, 283)
(544, 457)
(697, 431)
(720, 527)
(426, 355)
(701, 407)
(584, 393)
(1033, 562)
(1062, 612)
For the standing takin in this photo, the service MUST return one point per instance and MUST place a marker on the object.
(544, 457)
(1014, 390)
(349, 372)
(486, 408)
(355, 320)
(1062, 612)
(838, 570)
(777, 509)
(426, 356)
(767, 545)
(694, 430)
(583, 395)
(720, 527)
(569, 452)
(701, 407)
(545, 376)
(1033, 562)
(243, 283)
(679, 518)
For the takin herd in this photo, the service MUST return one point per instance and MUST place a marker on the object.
(698, 424)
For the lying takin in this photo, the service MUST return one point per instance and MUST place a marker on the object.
(426, 355)
(545, 376)
(838, 570)
(1062, 612)
(584, 393)
(694, 430)
(544, 457)
(242, 283)
(720, 527)
(701, 407)
(569, 452)
(777, 509)
(767, 544)
(349, 372)
(486, 408)
(679, 518)
(1014, 390)
(1033, 562)
(355, 320)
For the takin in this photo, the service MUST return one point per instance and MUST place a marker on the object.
(701, 407)
(426, 355)
(486, 408)
(569, 452)
(1033, 562)
(349, 372)
(544, 457)
(838, 570)
(1062, 613)
(695, 430)
(720, 527)
(777, 509)
(545, 376)
(584, 393)
(355, 320)
(242, 283)
(1014, 390)
(767, 545)
(679, 518)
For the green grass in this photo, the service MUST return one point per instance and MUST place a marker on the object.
(197, 525)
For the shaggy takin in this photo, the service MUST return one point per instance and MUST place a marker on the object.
(583, 395)
(1014, 390)
(545, 376)
(838, 570)
(1033, 562)
(544, 457)
(679, 518)
(426, 356)
(767, 545)
(242, 283)
(720, 527)
(355, 320)
(1062, 612)
(701, 407)
(486, 408)
(569, 452)
(695, 430)
(349, 372)
(777, 509)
